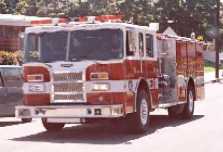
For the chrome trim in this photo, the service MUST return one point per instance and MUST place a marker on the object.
(75, 111)
(69, 101)
(62, 86)
(70, 81)
(166, 105)
(67, 93)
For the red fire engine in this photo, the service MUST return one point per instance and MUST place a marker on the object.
(89, 72)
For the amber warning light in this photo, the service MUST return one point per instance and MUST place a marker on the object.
(35, 78)
(99, 76)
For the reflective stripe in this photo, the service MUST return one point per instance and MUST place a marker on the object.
(115, 85)
(121, 85)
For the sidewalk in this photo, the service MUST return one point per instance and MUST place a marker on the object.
(210, 77)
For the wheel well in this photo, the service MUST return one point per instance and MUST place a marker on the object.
(144, 85)
(192, 84)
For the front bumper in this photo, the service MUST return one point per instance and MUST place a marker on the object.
(75, 111)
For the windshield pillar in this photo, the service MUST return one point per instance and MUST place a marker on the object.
(68, 46)
(39, 46)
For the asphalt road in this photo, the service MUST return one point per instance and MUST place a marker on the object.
(204, 133)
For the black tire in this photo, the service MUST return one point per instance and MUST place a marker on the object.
(175, 111)
(137, 123)
(189, 106)
(52, 126)
(26, 120)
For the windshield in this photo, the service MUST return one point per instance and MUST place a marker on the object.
(102, 44)
(46, 47)
(53, 46)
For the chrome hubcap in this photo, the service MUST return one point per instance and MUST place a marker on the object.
(144, 112)
(191, 101)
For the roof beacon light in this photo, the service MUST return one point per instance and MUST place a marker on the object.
(91, 19)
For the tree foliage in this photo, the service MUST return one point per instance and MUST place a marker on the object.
(185, 16)
(3, 6)
(137, 11)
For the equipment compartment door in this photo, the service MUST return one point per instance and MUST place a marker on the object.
(182, 70)
(167, 80)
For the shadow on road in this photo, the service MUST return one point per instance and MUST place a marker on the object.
(9, 123)
(103, 134)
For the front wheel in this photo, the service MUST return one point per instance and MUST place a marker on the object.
(52, 126)
(139, 121)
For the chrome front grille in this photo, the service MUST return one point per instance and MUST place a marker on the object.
(68, 87)
(67, 76)
(74, 97)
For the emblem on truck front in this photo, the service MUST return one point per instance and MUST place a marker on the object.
(66, 65)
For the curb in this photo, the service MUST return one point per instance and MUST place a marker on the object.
(213, 81)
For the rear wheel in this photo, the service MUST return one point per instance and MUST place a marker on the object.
(189, 106)
(185, 110)
(52, 126)
(139, 121)
(175, 111)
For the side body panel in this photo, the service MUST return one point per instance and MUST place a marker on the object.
(199, 83)
(190, 65)
(182, 70)
(124, 78)
(168, 78)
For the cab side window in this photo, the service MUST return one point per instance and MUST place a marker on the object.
(149, 45)
(131, 43)
(141, 44)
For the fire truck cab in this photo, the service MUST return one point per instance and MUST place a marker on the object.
(86, 72)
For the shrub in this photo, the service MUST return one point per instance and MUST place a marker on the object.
(10, 58)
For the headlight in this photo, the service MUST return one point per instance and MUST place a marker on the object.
(37, 88)
(101, 87)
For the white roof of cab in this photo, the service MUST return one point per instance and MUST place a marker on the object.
(41, 29)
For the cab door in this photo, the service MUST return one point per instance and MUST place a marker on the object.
(133, 62)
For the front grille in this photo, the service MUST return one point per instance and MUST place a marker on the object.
(67, 76)
(74, 97)
(68, 87)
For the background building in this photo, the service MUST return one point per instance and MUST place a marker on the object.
(12, 27)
